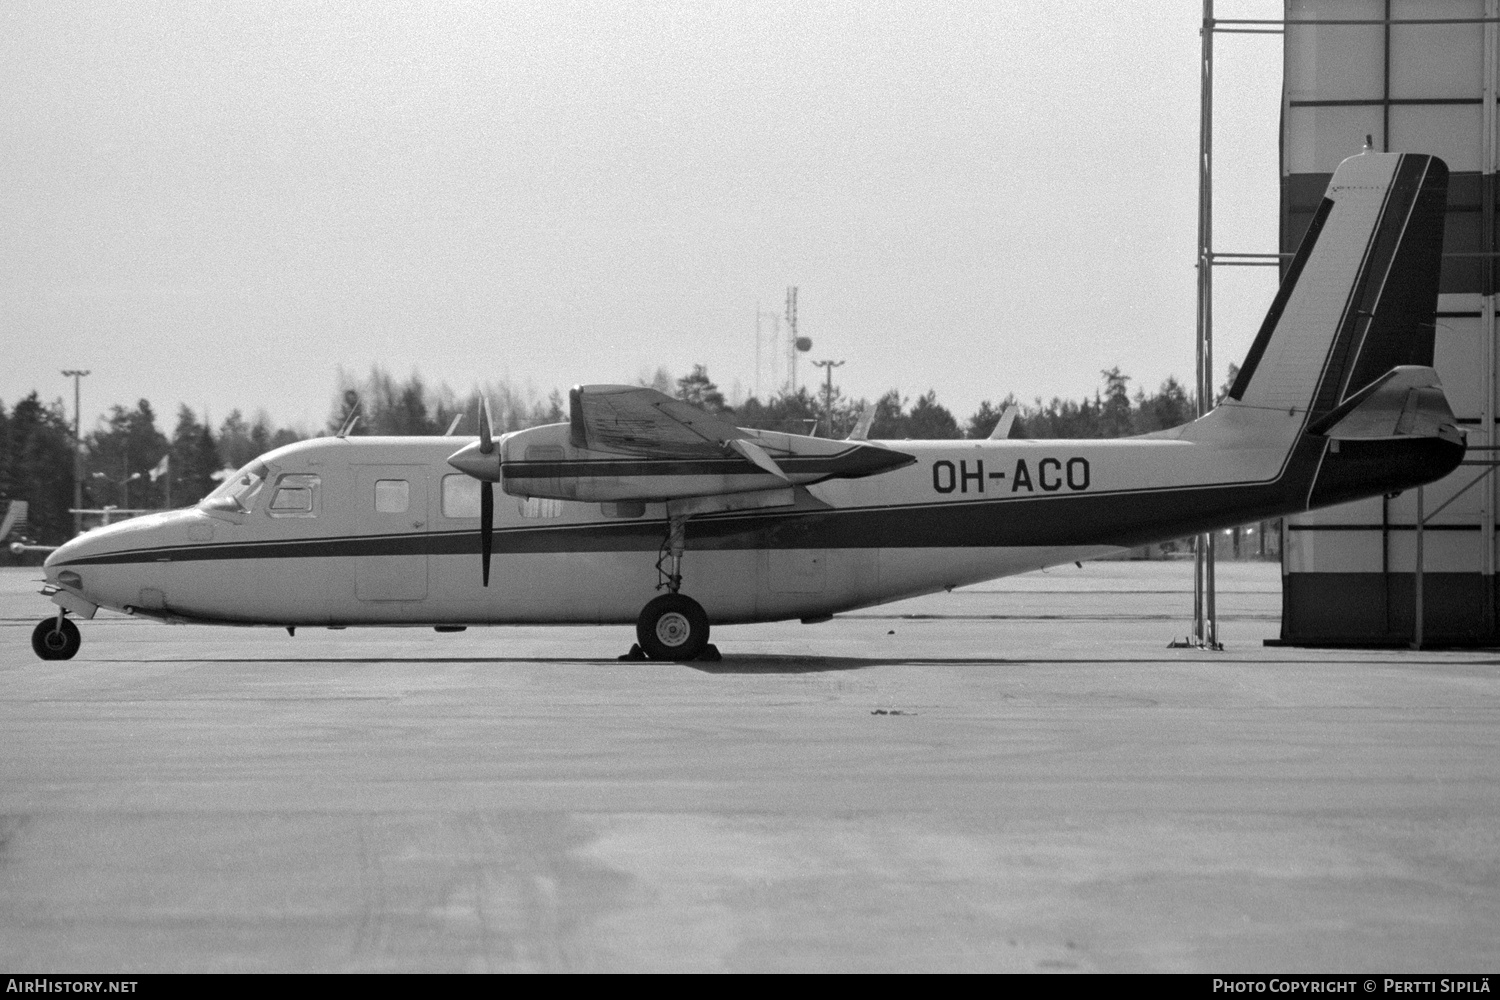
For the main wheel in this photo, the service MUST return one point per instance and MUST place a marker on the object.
(672, 627)
(54, 640)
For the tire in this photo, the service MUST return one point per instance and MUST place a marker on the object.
(53, 643)
(672, 627)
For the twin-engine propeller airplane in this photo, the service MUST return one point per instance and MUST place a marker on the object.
(640, 500)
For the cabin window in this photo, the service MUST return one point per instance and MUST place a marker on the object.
(540, 507)
(392, 496)
(295, 496)
(460, 496)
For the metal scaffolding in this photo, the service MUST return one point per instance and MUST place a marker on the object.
(1205, 625)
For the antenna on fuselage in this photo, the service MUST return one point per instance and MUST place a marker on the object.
(351, 400)
(453, 426)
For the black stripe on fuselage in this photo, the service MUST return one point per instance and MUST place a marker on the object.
(1123, 518)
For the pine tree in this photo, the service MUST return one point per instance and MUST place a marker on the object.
(36, 465)
(194, 459)
(699, 390)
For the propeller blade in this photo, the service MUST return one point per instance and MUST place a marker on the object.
(1007, 420)
(861, 430)
(757, 454)
(486, 432)
(486, 527)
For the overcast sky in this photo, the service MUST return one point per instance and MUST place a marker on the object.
(220, 204)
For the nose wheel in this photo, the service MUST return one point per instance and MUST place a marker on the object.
(672, 627)
(55, 638)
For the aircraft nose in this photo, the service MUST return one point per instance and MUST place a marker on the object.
(471, 461)
(62, 555)
(64, 566)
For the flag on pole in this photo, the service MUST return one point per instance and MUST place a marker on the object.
(161, 468)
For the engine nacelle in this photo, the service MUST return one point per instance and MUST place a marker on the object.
(545, 462)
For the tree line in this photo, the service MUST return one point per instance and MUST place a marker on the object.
(1111, 412)
(128, 462)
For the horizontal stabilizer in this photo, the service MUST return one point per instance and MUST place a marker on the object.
(1406, 401)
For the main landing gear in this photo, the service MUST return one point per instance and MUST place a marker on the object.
(55, 638)
(672, 626)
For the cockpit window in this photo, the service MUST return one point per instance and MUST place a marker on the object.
(238, 492)
(296, 496)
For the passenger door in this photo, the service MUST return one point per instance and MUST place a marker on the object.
(391, 507)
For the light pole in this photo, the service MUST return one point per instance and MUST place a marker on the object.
(123, 483)
(77, 375)
(828, 367)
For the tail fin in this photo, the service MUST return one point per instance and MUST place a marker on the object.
(1360, 295)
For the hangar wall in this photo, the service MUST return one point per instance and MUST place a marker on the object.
(1348, 572)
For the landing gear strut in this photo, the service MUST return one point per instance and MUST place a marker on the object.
(672, 547)
(673, 626)
(55, 638)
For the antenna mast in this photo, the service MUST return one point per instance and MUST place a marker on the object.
(828, 367)
(757, 350)
(791, 343)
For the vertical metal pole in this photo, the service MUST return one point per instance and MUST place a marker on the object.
(77, 454)
(1209, 610)
(77, 376)
(757, 349)
(1416, 642)
(1205, 630)
(1490, 504)
(1198, 630)
(1385, 96)
(791, 344)
(828, 366)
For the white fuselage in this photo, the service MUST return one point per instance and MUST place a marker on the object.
(391, 537)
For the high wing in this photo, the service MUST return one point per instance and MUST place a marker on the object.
(637, 420)
(624, 443)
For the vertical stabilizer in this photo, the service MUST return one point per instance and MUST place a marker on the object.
(1359, 296)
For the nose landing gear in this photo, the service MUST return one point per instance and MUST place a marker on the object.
(55, 638)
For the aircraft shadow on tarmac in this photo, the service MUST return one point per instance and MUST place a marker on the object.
(767, 663)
